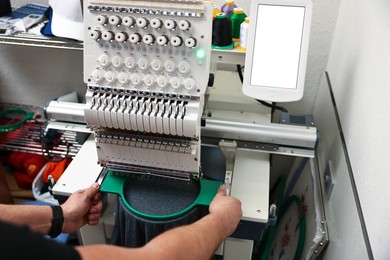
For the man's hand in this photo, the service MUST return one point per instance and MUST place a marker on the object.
(82, 207)
(228, 209)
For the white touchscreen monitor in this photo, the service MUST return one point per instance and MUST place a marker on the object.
(276, 55)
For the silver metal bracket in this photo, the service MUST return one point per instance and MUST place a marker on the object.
(229, 149)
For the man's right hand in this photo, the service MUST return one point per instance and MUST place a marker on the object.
(228, 209)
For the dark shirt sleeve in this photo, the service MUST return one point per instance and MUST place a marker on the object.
(21, 243)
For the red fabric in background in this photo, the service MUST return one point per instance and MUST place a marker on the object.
(26, 167)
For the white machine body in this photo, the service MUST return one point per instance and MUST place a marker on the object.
(146, 64)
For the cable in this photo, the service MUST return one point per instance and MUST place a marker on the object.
(239, 70)
(270, 105)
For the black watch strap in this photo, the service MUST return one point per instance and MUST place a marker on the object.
(57, 222)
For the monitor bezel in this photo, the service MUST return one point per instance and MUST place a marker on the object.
(274, 93)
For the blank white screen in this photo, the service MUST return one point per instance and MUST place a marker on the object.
(277, 46)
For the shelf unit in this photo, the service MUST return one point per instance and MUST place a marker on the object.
(35, 137)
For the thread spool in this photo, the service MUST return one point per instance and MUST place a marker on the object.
(243, 35)
(222, 33)
(228, 7)
(216, 11)
(237, 17)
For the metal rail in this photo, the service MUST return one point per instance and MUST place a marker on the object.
(26, 39)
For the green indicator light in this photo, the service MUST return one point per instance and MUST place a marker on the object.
(200, 54)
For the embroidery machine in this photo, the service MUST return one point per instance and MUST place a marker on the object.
(152, 110)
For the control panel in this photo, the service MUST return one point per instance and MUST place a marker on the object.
(160, 49)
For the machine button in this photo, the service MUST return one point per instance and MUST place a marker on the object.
(128, 21)
(176, 41)
(156, 23)
(189, 84)
(114, 20)
(175, 82)
(271, 94)
(170, 24)
(143, 63)
(169, 66)
(123, 77)
(142, 22)
(101, 19)
(184, 25)
(97, 75)
(148, 80)
(108, 36)
(162, 81)
(121, 37)
(130, 62)
(183, 67)
(190, 42)
(116, 61)
(162, 40)
(95, 35)
(135, 38)
(135, 79)
(109, 76)
(103, 60)
(148, 39)
(156, 65)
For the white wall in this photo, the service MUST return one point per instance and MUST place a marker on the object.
(344, 228)
(359, 66)
(35, 75)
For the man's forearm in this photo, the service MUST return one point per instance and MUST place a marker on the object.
(37, 218)
(197, 241)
